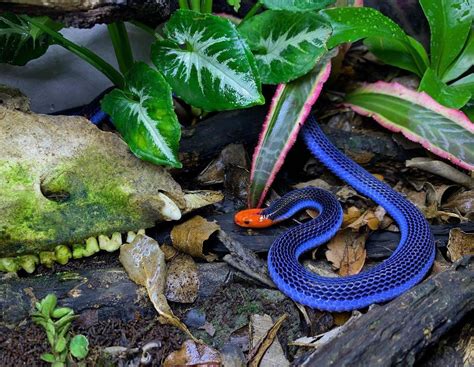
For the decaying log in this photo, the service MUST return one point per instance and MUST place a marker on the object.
(106, 292)
(399, 332)
(207, 139)
(379, 245)
(85, 14)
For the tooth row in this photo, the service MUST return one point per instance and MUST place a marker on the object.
(62, 253)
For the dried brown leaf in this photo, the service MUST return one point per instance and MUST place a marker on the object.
(460, 244)
(182, 282)
(346, 251)
(193, 354)
(266, 353)
(313, 183)
(462, 201)
(169, 251)
(368, 218)
(145, 264)
(189, 236)
(353, 213)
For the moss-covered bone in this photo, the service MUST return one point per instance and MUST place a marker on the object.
(62, 181)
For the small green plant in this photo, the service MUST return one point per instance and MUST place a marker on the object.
(56, 321)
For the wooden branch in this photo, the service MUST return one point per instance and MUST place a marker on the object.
(105, 291)
(399, 332)
(85, 14)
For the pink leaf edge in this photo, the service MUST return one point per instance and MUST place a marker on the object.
(420, 98)
(312, 98)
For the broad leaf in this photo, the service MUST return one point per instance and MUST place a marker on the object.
(207, 63)
(21, 42)
(466, 83)
(144, 115)
(397, 53)
(463, 62)
(446, 95)
(288, 111)
(450, 22)
(287, 45)
(296, 5)
(355, 23)
(443, 131)
(79, 346)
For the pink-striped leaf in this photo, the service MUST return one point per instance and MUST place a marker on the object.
(443, 131)
(290, 106)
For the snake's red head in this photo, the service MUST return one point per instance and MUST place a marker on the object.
(252, 218)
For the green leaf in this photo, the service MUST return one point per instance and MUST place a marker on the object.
(446, 95)
(445, 132)
(144, 115)
(287, 45)
(48, 357)
(207, 63)
(21, 42)
(235, 4)
(466, 83)
(397, 53)
(468, 109)
(62, 311)
(79, 346)
(48, 304)
(450, 22)
(290, 107)
(355, 23)
(463, 62)
(296, 5)
(61, 344)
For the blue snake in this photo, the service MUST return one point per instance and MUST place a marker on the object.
(407, 266)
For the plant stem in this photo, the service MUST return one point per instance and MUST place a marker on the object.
(183, 4)
(253, 10)
(207, 6)
(123, 52)
(196, 5)
(84, 53)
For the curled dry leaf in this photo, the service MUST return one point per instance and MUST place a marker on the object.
(182, 282)
(346, 252)
(265, 352)
(145, 264)
(199, 198)
(314, 183)
(193, 354)
(231, 155)
(189, 236)
(462, 201)
(169, 251)
(460, 244)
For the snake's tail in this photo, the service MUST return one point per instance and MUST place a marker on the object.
(406, 267)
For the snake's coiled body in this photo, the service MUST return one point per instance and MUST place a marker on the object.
(407, 266)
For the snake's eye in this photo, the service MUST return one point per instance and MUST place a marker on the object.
(246, 221)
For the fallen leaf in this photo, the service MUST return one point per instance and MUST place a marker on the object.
(182, 281)
(193, 354)
(319, 340)
(198, 198)
(460, 244)
(231, 155)
(368, 219)
(340, 318)
(313, 183)
(346, 252)
(145, 264)
(353, 213)
(462, 201)
(189, 237)
(266, 352)
(169, 251)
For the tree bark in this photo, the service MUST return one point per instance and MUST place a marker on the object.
(399, 332)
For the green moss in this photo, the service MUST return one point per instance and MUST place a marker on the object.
(85, 197)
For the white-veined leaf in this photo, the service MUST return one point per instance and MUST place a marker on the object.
(144, 115)
(207, 63)
(287, 45)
